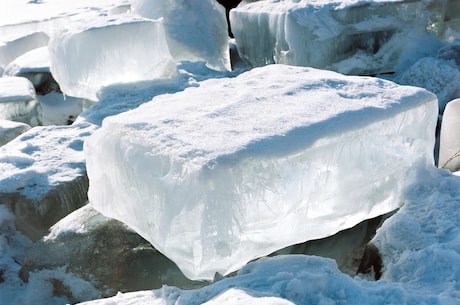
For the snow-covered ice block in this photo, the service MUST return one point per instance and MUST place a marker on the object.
(13, 47)
(351, 36)
(109, 50)
(43, 176)
(18, 101)
(10, 130)
(195, 30)
(218, 175)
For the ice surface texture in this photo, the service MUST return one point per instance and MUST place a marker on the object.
(111, 50)
(195, 30)
(351, 37)
(233, 170)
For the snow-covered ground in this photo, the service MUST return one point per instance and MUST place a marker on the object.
(419, 245)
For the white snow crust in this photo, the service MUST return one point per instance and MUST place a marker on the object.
(273, 157)
(107, 51)
(351, 37)
(195, 30)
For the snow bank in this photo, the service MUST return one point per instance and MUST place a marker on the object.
(17, 101)
(108, 51)
(273, 157)
(43, 176)
(351, 37)
(195, 30)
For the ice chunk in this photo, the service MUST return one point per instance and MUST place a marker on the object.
(13, 47)
(449, 147)
(83, 240)
(58, 109)
(43, 176)
(17, 101)
(35, 66)
(108, 51)
(233, 170)
(10, 130)
(352, 37)
(195, 30)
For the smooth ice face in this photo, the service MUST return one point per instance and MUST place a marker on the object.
(13, 47)
(111, 50)
(237, 168)
(352, 37)
(195, 30)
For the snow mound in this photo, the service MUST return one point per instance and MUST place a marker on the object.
(195, 30)
(351, 37)
(255, 163)
(107, 51)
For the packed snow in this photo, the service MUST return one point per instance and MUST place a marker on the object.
(280, 176)
(43, 169)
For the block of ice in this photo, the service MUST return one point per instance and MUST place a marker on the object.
(10, 130)
(107, 51)
(233, 170)
(449, 146)
(351, 37)
(43, 176)
(195, 30)
(18, 101)
(12, 47)
(35, 66)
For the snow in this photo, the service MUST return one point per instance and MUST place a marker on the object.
(206, 40)
(85, 59)
(17, 101)
(312, 128)
(372, 35)
(36, 60)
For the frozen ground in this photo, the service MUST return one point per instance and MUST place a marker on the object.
(420, 244)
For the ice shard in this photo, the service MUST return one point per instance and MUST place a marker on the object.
(237, 168)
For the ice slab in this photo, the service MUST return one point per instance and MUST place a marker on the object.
(449, 146)
(107, 51)
(352, 37)
(43, 176)
(84, 239)
(218, 175)
(12, 47)
(18, 101)
(195, 30)
(10, 130)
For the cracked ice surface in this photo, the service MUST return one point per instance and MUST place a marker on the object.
(237, 168)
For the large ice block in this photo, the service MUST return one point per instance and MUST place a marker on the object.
(237, 168)
(14, 46)
(110, 50)
(195, 30)
(351, 36)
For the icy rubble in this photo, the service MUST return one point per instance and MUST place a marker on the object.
(18, 101)
(105, 253)
(273, 157)
(191, 36)
(87, 58)
(43, 176)
(351, 37)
